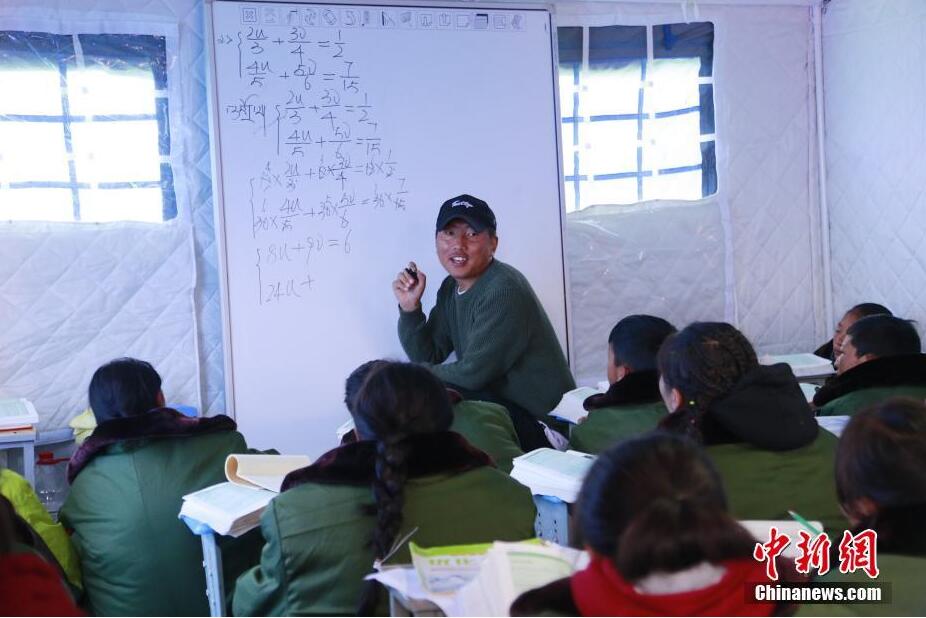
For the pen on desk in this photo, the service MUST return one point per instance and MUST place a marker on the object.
(804, 523)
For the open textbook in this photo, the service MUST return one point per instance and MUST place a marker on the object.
(263, 471)
(570, 407)
(549, 472)
(511, 569)
(480, 580)
(803, 365)
(227, 508)
(234, 507)
(17, 414)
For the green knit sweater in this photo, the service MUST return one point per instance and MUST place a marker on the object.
(502, 337)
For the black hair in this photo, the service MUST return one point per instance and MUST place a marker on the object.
(704, 361)
(657, 503)
(355, 381)
(635, 341)
(863, 310)
(884, 335)
(123, 387)
(881, 456)
(395, 402)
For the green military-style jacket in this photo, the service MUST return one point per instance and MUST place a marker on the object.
(137, 557)
(487, 426)
(763, 484)
(903, 574)
(608, 426)
(872, 382)
(853, 402)
(318, 534)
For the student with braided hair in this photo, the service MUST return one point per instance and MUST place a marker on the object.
(754, 421)
(406, 475)
(667, 547)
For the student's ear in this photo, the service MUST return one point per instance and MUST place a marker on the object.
(622, 372)
(672, 397)
(159, 399)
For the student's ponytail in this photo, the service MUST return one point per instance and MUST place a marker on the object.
(395, 402)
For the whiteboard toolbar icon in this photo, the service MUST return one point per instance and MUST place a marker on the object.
(350, 18)
(482, 21)
(293, 18)
(501, 21)
(309, 17)
(248, 15)
(464, 21)
(444, 20)
(517, 22)
(330, 17)
(270, 16)
(388, 19)
(406, 19)
(425, 20)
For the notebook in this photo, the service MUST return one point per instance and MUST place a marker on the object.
(17, 414)
(570, 406)
(548, 472)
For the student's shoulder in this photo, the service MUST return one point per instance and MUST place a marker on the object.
(318, 505)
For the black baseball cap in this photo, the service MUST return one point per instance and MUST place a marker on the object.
(471, 209)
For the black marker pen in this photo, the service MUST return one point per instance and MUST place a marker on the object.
(413, 274)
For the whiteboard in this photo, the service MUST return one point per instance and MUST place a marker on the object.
(338, 130)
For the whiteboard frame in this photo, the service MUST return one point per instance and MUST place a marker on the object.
(215, 151)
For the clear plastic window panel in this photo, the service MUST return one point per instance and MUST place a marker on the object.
(636, 121)
(84, 131)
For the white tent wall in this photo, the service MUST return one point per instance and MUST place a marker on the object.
(75, 296)
(875, 84)
(751, 253)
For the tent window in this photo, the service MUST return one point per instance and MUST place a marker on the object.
(637, 105)
(84, 132)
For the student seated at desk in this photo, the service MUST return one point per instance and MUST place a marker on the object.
(833, 348)
(754, 421)
(408, 474)
(881, 480)
(485, 425)
(29, 584)
(880, 359)
(127, 481)
(48, 536)
(632, 404)
(653, 516)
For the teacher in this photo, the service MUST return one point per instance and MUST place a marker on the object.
(487, 313)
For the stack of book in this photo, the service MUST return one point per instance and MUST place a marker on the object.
(234, 507)
(17, 415)
(548, 472)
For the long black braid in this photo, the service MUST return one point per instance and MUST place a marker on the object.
(395, 401)
(704, 361)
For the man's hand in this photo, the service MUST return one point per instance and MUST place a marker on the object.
(408, 287)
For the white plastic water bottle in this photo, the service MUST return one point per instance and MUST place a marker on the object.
(51, 480)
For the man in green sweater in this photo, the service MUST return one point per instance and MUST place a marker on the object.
(487, 313)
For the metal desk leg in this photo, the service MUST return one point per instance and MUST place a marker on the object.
(29, 462)
(212, 563)
(552, 523)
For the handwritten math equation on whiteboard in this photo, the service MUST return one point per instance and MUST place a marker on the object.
(310, 159)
